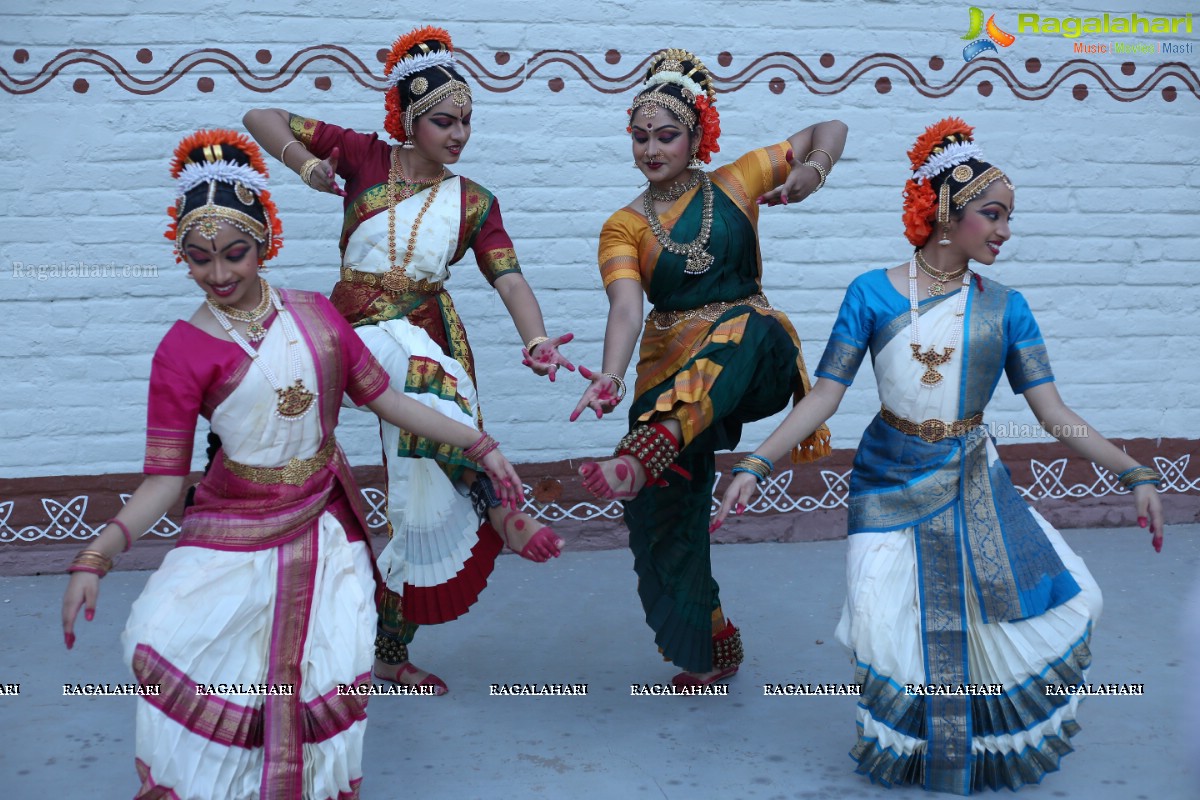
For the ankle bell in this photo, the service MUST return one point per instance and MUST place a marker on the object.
(727, 647)
(653, 446)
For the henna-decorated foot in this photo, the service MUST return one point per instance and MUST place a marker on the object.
(703, 678)
(619, 478)
(525, 536)
(405, 674)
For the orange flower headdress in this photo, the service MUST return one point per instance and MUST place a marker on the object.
(692, 100)
(233, 168)
(947, 145)
(418, 81)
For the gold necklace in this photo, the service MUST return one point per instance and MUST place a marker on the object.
(699, 260)
(676, 191)
(939, 287)
(931, 359)
(406, 187)
(294, 401)
(254, 329)
(393, 177)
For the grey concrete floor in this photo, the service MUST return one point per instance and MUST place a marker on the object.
(577, 620)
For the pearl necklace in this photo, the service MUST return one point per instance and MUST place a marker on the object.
(938, 287)
(930, 359)
(699, 260)
(254, 329)
(296, 400)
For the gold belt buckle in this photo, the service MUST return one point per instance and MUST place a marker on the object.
(297, 471)
(932, 430)
(395, 281)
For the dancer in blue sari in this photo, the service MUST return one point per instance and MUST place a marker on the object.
(953, 580)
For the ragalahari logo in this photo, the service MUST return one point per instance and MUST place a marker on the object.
(995, 36)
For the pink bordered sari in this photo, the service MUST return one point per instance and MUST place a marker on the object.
(268, 601)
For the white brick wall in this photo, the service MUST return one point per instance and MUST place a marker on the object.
(1104, 241)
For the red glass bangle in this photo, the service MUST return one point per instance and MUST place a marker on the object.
(124, 531)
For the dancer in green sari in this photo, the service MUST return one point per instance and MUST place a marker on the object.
(714, 353)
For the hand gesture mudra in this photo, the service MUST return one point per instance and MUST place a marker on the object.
(602, 395)
(323, 176)
(544, 358)
(802, 181)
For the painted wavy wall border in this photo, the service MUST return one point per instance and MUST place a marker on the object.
(777, 69)
(66, 521)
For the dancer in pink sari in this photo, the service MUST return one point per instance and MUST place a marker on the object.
(264, 613)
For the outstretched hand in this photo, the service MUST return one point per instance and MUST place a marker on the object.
(800, 183)
(1149, 511)
(739, 492)
(600, 396)
(82, 592)
(505, 479)
(324, 175)
(545, 359)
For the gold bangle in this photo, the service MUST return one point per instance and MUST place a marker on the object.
(306, 170)
(92, 561)
(821, 173)
(1137, 475)
(827, 155)
(283, 152)
(620, 384)
(534, 342)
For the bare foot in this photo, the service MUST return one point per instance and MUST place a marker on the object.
(703, 678)
(406, 674)
(524, 535)
(619, 478)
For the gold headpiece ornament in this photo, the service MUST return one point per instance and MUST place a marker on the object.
(222, 157)
(695, 105)
(430, 62)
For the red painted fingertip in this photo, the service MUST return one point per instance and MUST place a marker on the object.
(1157, 544)
(783, 199)
(712, 528)
(69, 640)
(89, 614)
(585, 372)
(741, 507)
(790, 156)
(1143, 521)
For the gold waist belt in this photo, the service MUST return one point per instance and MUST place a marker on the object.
(295, 473)
(665, 320)
(395, 281)
(931, 430)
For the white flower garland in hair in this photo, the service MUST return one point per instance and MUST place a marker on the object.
(954, 154)
(224, 171)
(414, 64)
(677, 78)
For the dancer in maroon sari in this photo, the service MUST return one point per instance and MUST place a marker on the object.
(406, 221)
